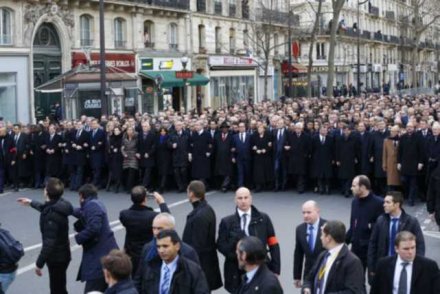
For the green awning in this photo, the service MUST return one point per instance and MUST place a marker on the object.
(170, 81)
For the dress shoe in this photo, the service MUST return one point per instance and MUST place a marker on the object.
(224, 189)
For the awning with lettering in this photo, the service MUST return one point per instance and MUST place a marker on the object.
(169, 79)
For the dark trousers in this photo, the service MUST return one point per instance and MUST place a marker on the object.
(163, 181)
(410, 184)
(324, 185)
(244, 170)
(78, 175)
(300, 181)
(97, 171)
(146, 180)
(380, 185)
(96, 285)
(280, 174)
(57, 277)
(38, 179)
(181, 174)
(362, 254)
(131, 176)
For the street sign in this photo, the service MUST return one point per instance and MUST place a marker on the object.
(184, 74)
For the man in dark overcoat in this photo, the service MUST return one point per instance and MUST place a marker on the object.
(365, 167)
(146, 153)
(53, 153)
(242, 155)
(97, 152)
(223, 155)
(179, 143)
(38, 155)
(201, 150)
(380, 177)
(80, 145)
(21, 170)
(322, 150)
(199, 232)
(298, 146)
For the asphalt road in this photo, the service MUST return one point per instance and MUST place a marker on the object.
(284, 209)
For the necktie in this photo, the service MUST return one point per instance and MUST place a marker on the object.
(311, 240)
(242, 137)
(393, 234)
(319, 278)
(244, 217)
(78, 134)
(165, 287)
(223, 136)
(403, 281)
(16, 139)
(51, 138)
(322, 140)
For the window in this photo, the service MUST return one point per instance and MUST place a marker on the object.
(320, 51)
(148, 34)
(8, 96)
(218, 7)
(232, 8)
(246, 39)
(5, 26)
(202, 39)
(275, 44)
(86, 30)
(231, 41)
(120, 33)
(218, 44)
(172, 36)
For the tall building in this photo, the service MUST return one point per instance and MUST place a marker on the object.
(386, 32)
(49, 52)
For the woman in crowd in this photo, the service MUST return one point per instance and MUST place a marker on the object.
(115, 159)
(163, 158)
(261, 148)
(130, 162)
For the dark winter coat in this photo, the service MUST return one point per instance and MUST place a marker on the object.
(410, 154)
(80, 156)
(122, 287)
(377, 151)
(97, 148)
(146, 144)
(230, 233)
(262, 162)
(163, 155)
(299, 153)
(115, 157)
(264, 281)
(54, 227)
(380, 237)
(347, 153)
(223, 155)
(201, 145)
(53, 160)
(23, 148)
(38, 147)
(180, 153)
(199, 232)
(95, 236)
(365, 141)
(322, 158)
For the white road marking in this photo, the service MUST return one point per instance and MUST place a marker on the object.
(427, 221)
(432, 234)
(13, 192)
(116, 226)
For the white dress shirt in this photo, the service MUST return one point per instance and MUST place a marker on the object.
(250, 275)
(248, 220)
(398, 270)
(172, 267)
(330, 260)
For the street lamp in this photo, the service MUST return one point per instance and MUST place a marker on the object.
(359, 46)
(184, 61)
(289, 92)
(104, 104)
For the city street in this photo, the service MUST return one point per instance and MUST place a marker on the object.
(284, 209)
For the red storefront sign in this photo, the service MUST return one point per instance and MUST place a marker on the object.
(184, 74)
(122, 61)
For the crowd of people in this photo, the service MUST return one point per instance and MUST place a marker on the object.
(318, 145)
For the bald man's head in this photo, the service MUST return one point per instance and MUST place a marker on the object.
(243, 199)
(310, 211)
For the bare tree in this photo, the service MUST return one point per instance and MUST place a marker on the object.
(337, 6)
(315, 29)
(423, 15)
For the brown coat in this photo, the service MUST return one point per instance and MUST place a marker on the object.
(389, 163)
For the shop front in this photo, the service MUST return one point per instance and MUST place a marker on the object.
(233, 79)
(163, 87)
(299, 78)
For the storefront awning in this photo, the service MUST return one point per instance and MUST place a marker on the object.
(169, 78)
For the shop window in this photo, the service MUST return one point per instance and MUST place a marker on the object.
(202, 39)
(149, 34)
(172, 36)
(120, 33)
(320, 51)
(86, 30)
(5, 26)
(8, 96)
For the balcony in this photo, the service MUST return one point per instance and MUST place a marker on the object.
(373, 10)
(274, 16)
(232, 51)
(321, 57)
(218, 8)
(201, 5)
(349, 32)
(378, 37)
(386, 38)
(366, 34)
(245, 11)
(390, 15)
(120, 44)
(179, 4)
(174, 46)
(149, 44)
(86, 42)
(394, 40)
(232, 10)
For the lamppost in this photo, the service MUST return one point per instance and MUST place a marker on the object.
(359, 46)
(104, 103)
(289, 91)
(184, 61)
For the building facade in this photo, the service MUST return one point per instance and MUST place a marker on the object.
(386, 39)
(221, 40)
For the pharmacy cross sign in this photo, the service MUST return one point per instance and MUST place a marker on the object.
(184, 74)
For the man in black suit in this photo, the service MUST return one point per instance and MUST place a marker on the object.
(146, 149)
(80, 146)
(97, 151)
(251, 256)
(246, 221)
(243, 155)
(322, 160)
(336, 270)
(54, 158)
(410, 158)
(406, 272)
(200, 155)
(179, 143)
(280, 163)
(3, 155)
(308, 241)
(21, 168)
(223, 156)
